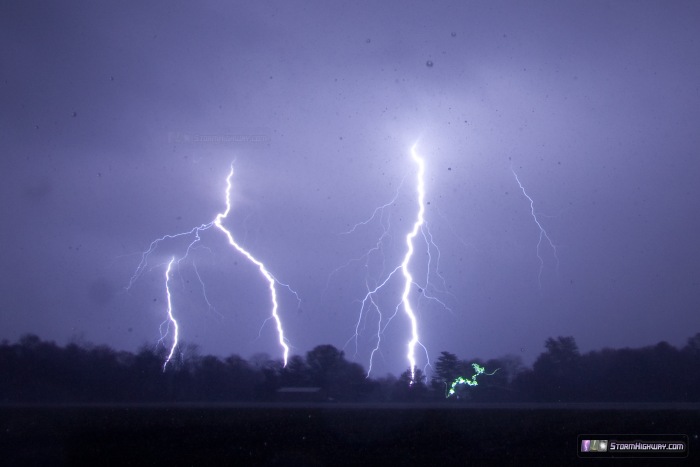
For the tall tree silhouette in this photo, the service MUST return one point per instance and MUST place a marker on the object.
(341, 380)
(557, 371)
(447, 368)
(411, 388)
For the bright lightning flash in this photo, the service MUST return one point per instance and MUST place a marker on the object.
(171, 319)
(420, 188)
(263, 270)
(543, 232)
(368, 303)
(195, 234)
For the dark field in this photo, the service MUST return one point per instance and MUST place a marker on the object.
(327, 434)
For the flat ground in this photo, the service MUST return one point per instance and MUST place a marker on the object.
(328, 434)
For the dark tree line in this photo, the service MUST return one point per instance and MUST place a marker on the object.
(33, 370)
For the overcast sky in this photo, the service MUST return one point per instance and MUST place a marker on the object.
(595, 105)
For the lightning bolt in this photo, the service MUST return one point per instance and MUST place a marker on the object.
(543, 232)
(171, 318)
(195, 233)
(368, 302)
(408, 308)
(263, 270)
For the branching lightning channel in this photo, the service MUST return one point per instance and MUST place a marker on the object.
(478, 370)
(378, 247)
(263, 270)
(403, 269)
(195, 233)
(405, 299)
(543, 232)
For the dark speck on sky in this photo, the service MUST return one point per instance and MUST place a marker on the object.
(595, 106)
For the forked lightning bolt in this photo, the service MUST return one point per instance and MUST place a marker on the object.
(263, 270)
(195, 234)
(543, 232)
(405, 302)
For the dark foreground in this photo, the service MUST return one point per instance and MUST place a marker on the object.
(329, 434)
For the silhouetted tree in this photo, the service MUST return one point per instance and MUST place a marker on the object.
(297, 373)
(381, 389)
(211, 379)
(494, 385)
(321, 360)
(557, 371)
(348, 382)
(269, 376)
(243, 378)
(411, 388)
(447, 369)
(147, 381)
(339, 378)
(39, 371)
(691, 359)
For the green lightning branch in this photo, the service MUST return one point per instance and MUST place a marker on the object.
(479, 370)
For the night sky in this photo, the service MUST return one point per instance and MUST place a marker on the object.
(119, 125)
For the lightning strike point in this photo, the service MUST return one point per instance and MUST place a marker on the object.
(171, 319)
